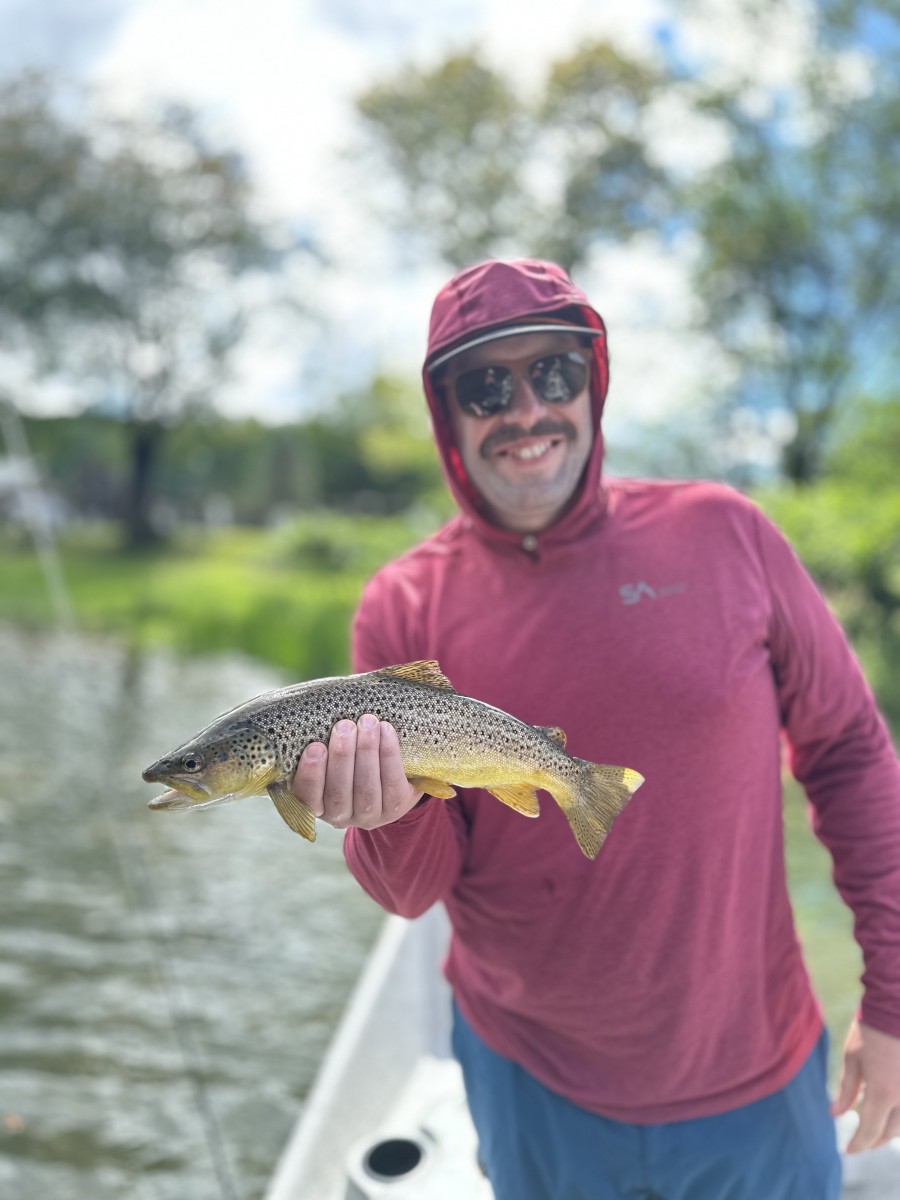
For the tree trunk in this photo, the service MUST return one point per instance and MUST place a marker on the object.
(801, 460)
(145, 438)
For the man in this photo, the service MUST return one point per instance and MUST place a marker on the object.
(642, 1024)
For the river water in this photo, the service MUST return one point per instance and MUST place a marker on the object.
(169, 982)
(164, 977)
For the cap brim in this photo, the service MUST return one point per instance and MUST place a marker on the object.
(510, 331)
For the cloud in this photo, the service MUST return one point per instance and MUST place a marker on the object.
(277, 79)
(60, 35)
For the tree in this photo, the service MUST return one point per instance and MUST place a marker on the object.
(455, 140)
(846, 527)
(594, 121)
(798, 229)
(791, 224)
(479, 170)
(123, 243)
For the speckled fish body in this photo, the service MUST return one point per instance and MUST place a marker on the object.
(446, 738)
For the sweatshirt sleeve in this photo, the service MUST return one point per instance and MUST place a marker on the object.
(841, 752)
(411, 864)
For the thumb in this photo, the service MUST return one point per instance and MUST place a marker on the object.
(849, 1085)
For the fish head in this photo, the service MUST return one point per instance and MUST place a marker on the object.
(226, 764)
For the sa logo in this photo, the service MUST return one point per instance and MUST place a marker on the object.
(631, 593)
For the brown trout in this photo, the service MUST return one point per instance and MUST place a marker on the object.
(445, 738)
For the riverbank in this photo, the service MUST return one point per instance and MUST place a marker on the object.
(285, 596)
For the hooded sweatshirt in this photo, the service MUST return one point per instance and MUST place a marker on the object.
(667, 627)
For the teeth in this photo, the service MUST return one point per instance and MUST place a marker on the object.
(532, 451)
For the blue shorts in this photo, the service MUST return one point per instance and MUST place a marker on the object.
(535, 1145)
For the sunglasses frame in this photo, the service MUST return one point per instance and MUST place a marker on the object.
(475, 408)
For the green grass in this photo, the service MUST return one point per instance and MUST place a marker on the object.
(824, 922)
(286, 596)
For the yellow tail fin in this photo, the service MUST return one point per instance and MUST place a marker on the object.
(595, 801)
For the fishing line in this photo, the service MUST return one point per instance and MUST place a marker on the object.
(137, 877)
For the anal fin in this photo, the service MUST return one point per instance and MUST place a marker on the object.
(293, 812)
(520, 796)
(432, 787)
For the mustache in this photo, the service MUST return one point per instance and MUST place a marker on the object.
(546, 427)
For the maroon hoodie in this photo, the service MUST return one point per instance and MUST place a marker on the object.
(666, 627)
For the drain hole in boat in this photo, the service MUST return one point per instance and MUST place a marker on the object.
(393, 1158)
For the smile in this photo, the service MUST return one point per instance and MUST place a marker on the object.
(530, 452)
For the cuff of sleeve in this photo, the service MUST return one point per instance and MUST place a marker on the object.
(879, 1018)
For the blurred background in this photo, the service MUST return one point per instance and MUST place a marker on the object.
(221, 229)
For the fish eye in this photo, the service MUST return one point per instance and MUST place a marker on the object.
(193, 762)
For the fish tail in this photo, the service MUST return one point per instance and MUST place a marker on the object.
(593, 800)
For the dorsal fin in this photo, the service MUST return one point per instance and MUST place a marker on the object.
(425, 671)
(554, 733)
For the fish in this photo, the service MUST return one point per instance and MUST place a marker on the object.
(447, 740)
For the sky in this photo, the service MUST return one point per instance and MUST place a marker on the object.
(277, 79)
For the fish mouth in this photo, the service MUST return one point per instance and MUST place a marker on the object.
(178, 801)
(170, 800)
(184, 791)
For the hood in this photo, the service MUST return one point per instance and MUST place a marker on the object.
(487, 297)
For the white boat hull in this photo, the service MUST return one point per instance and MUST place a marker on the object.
(387, 1117)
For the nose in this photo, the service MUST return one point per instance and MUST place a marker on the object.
(526, 403)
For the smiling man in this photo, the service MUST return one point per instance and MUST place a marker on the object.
(521, 415)
(641, 1025)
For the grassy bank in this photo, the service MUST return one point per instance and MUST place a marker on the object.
(286, 596)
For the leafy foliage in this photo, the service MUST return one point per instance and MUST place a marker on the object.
(596, 110)
(456, 137)
(121, 242)
(796, 231)
(789, 215)
(372, 454)
(846, 528)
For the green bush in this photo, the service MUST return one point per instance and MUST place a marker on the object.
(286, 596)
(848, 536)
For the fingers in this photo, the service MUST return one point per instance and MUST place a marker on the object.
(871, 1069)
(309, 778)
(849, 1086)
(879, 1121)
(397, 794)
(891, 1129)
(339, 794)
(358, 799)
(358, 779)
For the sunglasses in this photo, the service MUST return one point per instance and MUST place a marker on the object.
(554, 378)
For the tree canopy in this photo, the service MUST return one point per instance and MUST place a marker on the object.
(783, 193)
(123, 244)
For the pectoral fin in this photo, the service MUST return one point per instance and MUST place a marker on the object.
(432, 787)
(293, 812)
(520, 796)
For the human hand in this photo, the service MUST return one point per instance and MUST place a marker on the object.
(871, 1066)
(358, 779)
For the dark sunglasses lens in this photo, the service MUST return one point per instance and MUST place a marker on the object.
(558, 378)
(484, 391)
